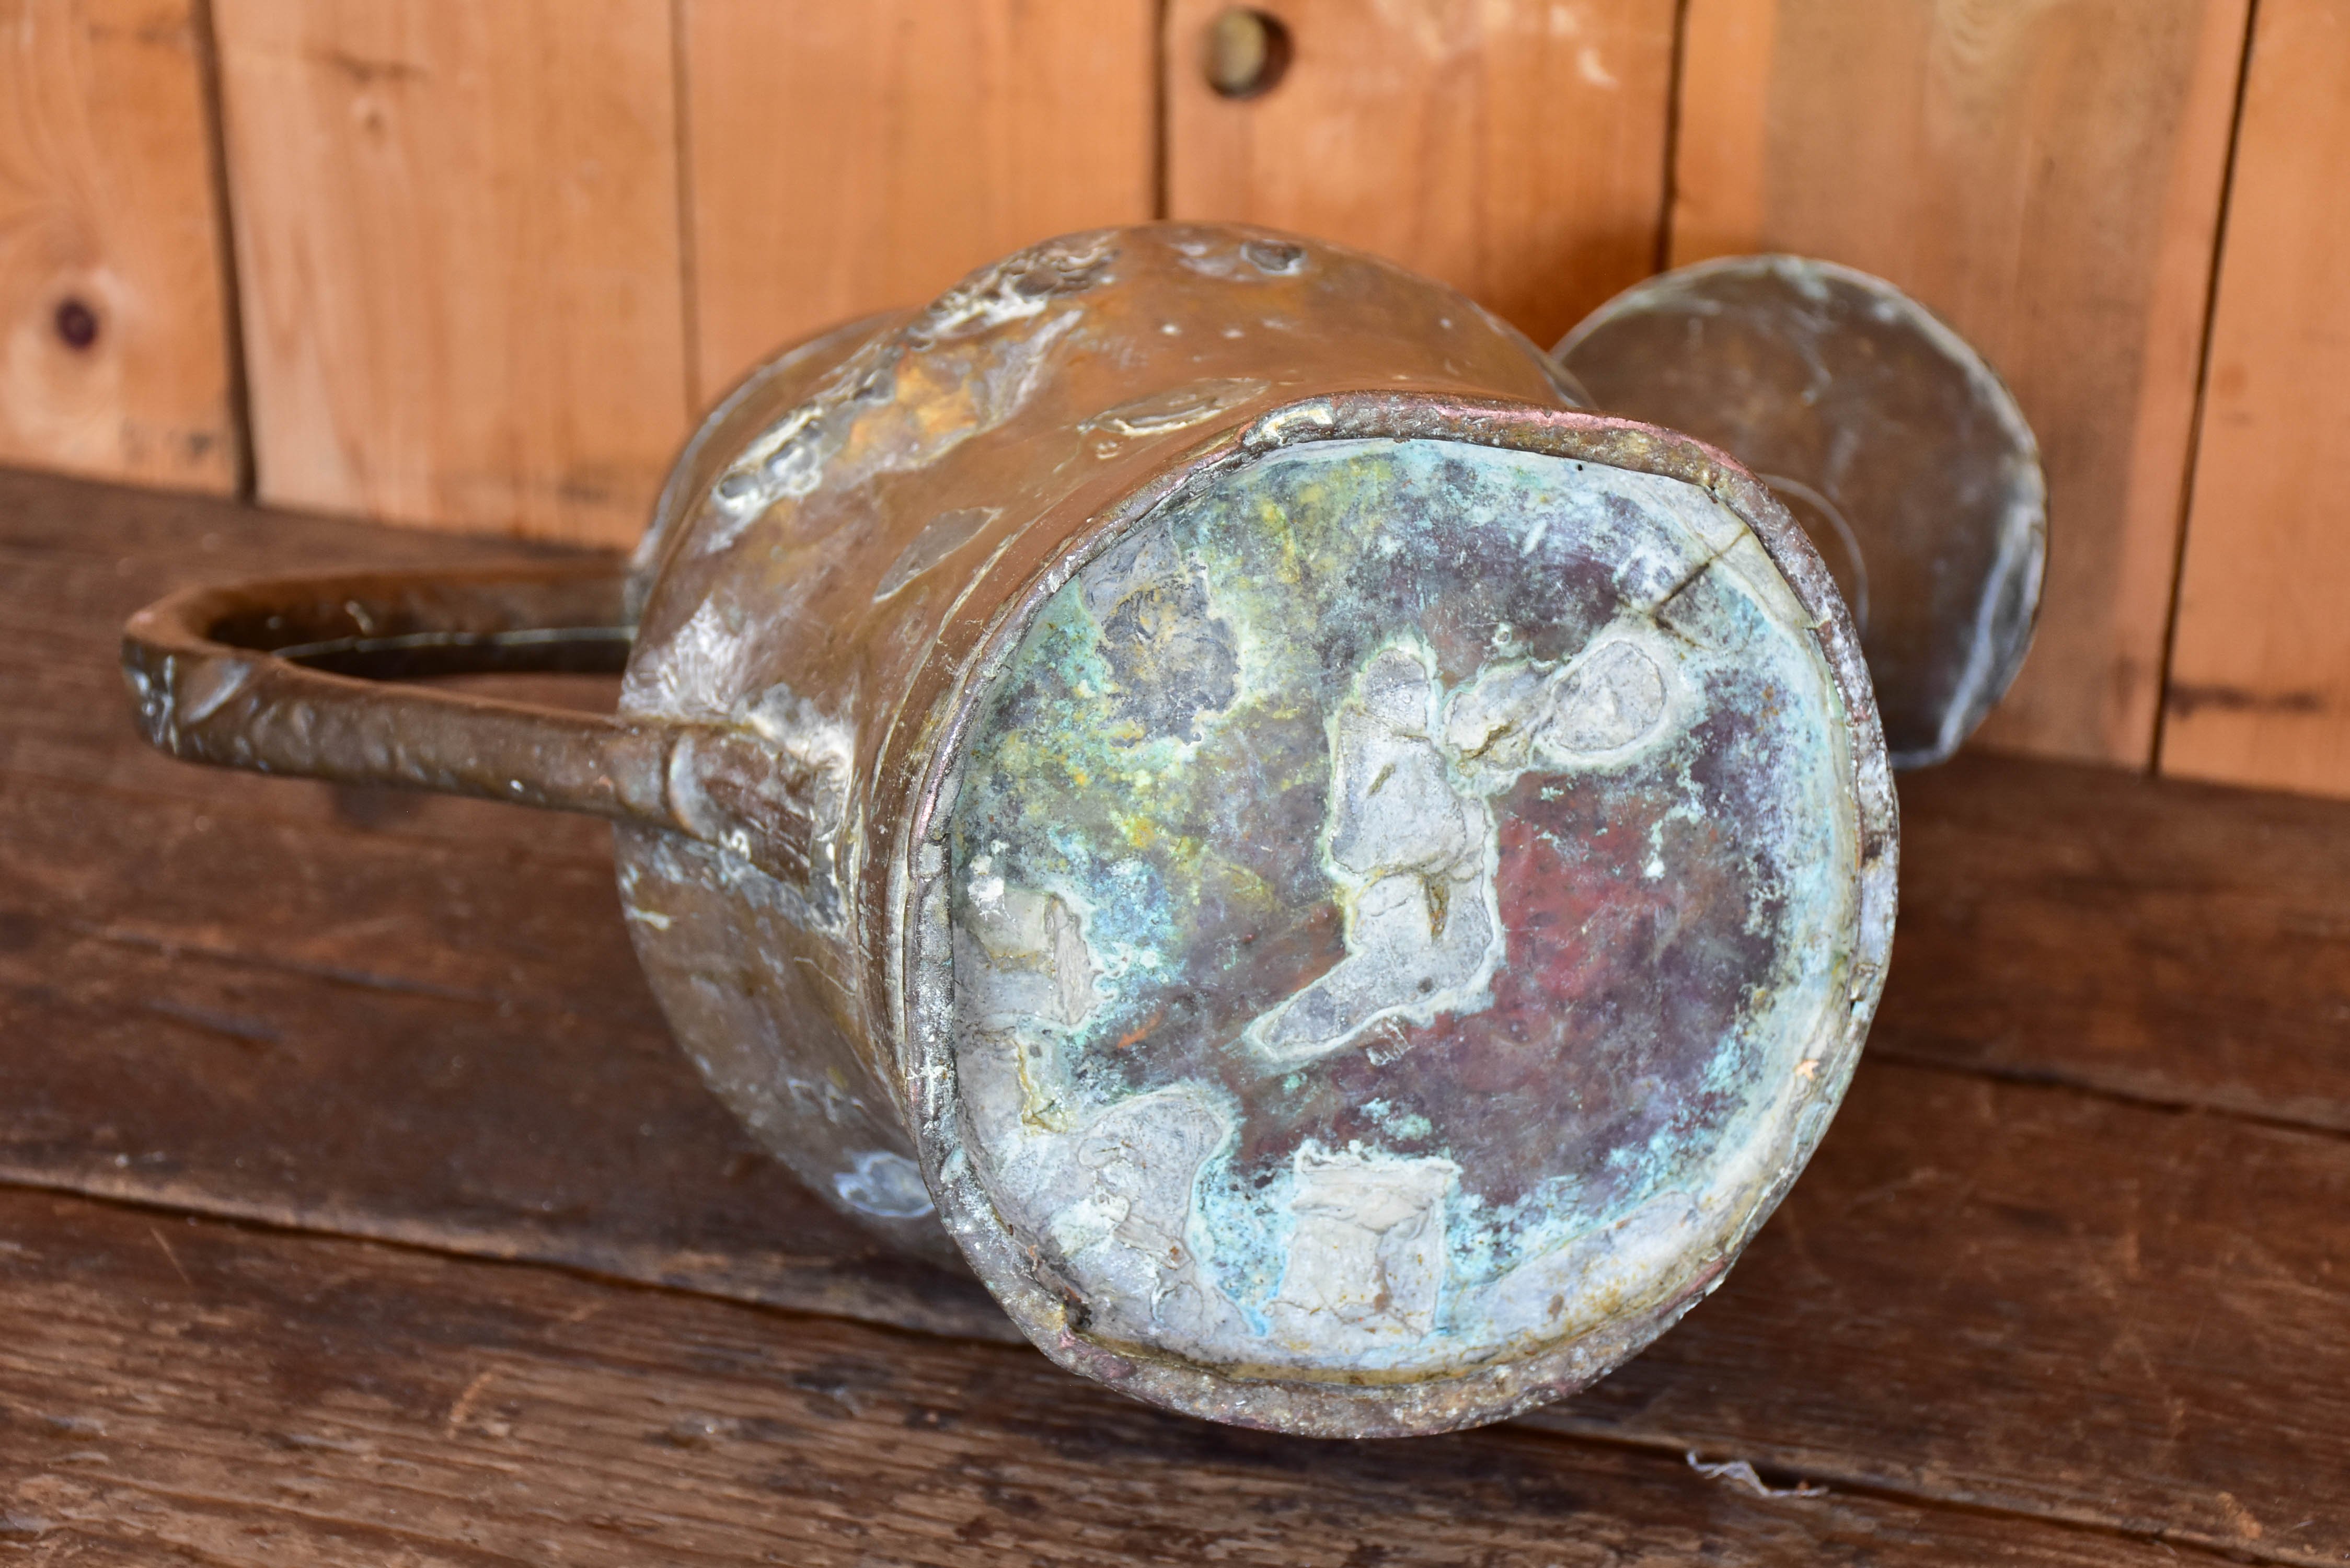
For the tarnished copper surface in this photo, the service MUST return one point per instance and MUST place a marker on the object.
(1901, 452)
(1405, 909)
(1350, 886)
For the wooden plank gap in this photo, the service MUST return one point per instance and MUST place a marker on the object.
(2203, 376)
(232, 301)
(1161, 18)
(2257, 689)
(874, 1290)
(1670, 195)
(688, 266)
(2057, 1078)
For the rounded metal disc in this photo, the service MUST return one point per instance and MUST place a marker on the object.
(1900, 451)
(1410, 913)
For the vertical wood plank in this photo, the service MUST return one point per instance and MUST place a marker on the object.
(1514, 148)
(2259, 676)
(2047, 177)
(114, 356)
(458, 244)
(849, 158)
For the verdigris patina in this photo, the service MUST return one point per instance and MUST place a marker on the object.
(1400, 895)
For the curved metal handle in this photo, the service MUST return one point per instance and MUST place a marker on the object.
(287, 676)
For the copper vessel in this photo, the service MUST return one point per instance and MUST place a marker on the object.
(1190, 776)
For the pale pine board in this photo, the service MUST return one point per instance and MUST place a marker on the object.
(106, 199)
(457, 232)
(1514, 148)
(2047, 177)
(2259, 678)
(847, 159)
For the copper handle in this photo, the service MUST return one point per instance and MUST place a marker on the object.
(293, 676)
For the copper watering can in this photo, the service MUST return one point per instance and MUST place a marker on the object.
(1194, 776)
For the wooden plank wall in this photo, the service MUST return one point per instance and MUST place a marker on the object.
(2047, 177)
(1515, 150)
(114, 355)
(846, 159)
(2260, 690)
(476, 266)
(457, 247)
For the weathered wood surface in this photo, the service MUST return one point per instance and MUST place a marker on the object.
(2037, 1300)
(2260, 672)
(2173, 942)
(112, 312)
(459, 258)
(2067, 1277)
(179, 1390)
(1514, 150)
(212, 983)
(2048, 177)
(850, 159)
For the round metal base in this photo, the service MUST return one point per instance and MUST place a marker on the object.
(1896, 447)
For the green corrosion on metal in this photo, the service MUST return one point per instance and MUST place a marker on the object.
(1397, 892)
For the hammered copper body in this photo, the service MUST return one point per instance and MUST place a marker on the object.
(1350, 886)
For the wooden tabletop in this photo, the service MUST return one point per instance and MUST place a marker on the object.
(356, 1209)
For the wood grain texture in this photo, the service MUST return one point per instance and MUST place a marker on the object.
(76, 558)
(2046, 177)
(459, 258)
(2039, 1301)
(114, 353)
(2260, 675)
(348, 1015)
(2178, 944)
(177, 1390)
(850, 158)
(2086, 1317)
(1514, 150)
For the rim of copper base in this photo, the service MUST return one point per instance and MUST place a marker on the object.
(1476, 1394)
